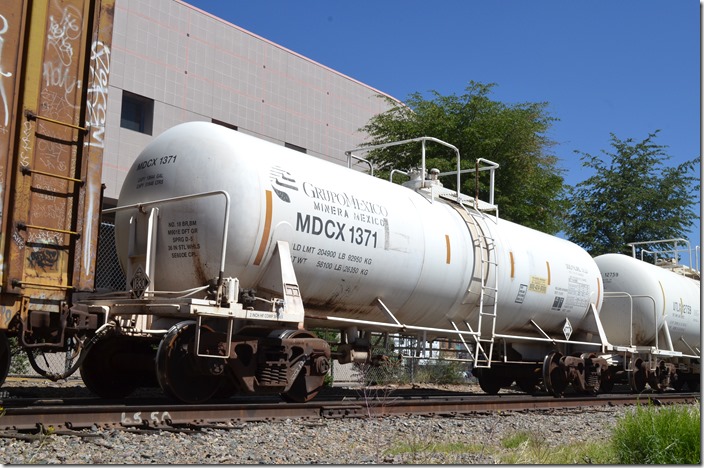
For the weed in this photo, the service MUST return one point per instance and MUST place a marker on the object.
(515, 440)
(429, 443)
(659, 435)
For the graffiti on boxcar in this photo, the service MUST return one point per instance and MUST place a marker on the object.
(51, 150)
(19, 240)
(4, 26)
(62, 34)
(43, 258)
(44, 253)
(26, 143)
(96, 115)
(97, 101)
(49, 211)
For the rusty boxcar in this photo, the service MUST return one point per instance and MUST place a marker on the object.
(54, 68)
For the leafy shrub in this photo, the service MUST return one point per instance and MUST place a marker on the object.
(19, 363)
(440, 372)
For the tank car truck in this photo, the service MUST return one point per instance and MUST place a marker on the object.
(235, 249)
(54, 65)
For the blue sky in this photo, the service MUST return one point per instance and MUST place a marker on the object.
(627, 67)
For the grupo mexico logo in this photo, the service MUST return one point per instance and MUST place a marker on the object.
(281, 181)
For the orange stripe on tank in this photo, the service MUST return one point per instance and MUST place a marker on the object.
(513, 265)
(267, 228)
(548, 265)
(447, 244)
(664, 300)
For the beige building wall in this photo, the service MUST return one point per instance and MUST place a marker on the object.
(190, 65)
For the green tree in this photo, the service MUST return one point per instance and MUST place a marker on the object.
(632, 197)
(529, 187)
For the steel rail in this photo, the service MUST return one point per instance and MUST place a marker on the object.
(58, 416)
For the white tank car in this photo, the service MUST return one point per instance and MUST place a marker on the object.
(665, 304)
(353, 238)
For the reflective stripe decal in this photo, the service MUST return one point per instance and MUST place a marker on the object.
(267, 228)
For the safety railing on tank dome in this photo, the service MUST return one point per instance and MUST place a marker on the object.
(669, 258)
(481, 165)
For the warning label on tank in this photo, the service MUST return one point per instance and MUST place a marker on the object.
(538, 284)
(183, 238)
(557, 303)
(574, 297)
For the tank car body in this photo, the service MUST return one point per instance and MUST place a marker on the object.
(234, 248)
(655, 312)
(353, 239)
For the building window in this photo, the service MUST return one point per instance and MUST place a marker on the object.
(225, 124)
(137, 113)
(296, 147)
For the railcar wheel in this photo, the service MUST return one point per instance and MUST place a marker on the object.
(553, 375)
(304, 387)
(606, 384)
(228, 388)
(694, 385)
(4, 357)
(490, 382)
(638, 377)
(678, 383)
(108, 368)
(528, 385)
(177, 369)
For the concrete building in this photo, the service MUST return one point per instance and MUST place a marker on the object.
(172, 63)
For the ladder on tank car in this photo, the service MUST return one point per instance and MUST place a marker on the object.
(481, 241)
(485, 245)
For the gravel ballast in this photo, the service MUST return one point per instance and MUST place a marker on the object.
(340, 441)
(331, 441)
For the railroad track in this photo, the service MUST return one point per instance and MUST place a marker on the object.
(70, 414)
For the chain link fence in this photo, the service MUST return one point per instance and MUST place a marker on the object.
(408, 360)
(108, 273)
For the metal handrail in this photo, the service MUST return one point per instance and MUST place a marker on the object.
(490, 165)
(630, 297)
(675, 250)
(351, 156)
(226, 223)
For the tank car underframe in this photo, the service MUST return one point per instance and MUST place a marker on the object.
(594, 370)
(586, 371)
(658, 366)
(196, 349)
